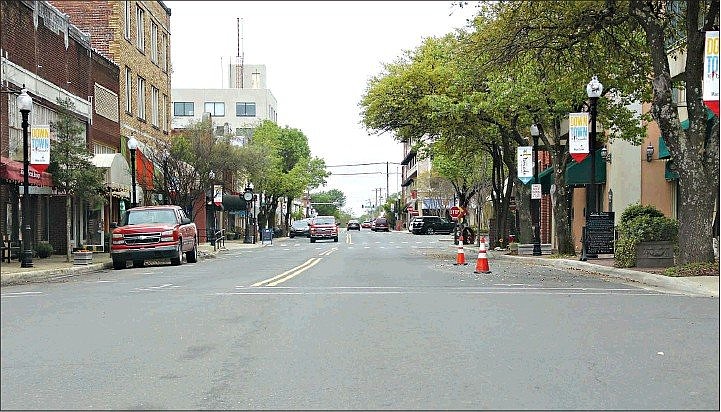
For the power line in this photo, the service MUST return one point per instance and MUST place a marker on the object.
(365, 164)
(362, 173)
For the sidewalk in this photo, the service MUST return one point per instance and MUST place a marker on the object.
(55, 267)
(694, 285)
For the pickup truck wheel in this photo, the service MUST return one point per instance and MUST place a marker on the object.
(312, 240)
(192, 256)
(335, 239)
(118, 264)
(138, 263)
(178, 260)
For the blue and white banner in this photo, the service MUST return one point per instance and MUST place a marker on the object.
(525, 163)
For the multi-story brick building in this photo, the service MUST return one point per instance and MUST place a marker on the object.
(53, 60)
(135, 35)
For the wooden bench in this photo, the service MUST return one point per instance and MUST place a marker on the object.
(8, 249)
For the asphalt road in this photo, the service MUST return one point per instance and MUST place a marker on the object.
(375, 321)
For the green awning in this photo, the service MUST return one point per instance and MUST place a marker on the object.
(233, 203)
(546, 180)
(663, 152)
(580, 173)
(669, 171)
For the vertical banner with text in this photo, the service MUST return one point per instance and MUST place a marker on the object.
(40, 147)
(578, 136)
(525, 163)
(218, 194)
(711, 72)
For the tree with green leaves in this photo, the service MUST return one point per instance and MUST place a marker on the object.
(328, 203)
(626, 44)
(74, 173)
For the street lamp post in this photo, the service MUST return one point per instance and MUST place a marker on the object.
(25, 104)
(536, 203)
(133, 145)
(594, 88)
(248, 197)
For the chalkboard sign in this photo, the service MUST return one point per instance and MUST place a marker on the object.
(599, 233)
(266, 235)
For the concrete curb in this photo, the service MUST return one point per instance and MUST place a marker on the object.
(52, 274)
(680, 284)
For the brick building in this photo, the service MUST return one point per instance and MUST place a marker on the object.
(53, 59)
(135, 35)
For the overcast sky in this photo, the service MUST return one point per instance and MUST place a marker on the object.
(319, 57)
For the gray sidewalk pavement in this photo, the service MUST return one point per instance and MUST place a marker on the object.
(56, 268)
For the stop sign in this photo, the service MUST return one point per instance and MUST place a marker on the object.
(455, 212)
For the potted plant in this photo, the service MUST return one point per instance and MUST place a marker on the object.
(647, 238)
(82, 256)
(44, 250)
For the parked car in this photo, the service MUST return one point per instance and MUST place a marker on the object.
(353, 225)
(323, 227)
(410, 224)
(429, 225)
(366, 224)
(380, 224)
(299, 228)
(153, 232)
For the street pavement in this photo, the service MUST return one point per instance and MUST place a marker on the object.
(55, 268)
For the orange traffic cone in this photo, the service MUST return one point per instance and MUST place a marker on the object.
(460, 256)
(482, 262)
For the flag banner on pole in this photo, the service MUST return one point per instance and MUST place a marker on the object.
(578, 136)
(218, 194)
(525, 163)
(711, 72)
(40, 147)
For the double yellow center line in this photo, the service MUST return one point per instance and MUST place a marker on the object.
(291, 273)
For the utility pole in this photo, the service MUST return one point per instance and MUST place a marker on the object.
(387, 187)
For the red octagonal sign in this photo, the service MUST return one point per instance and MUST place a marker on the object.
(455, 212)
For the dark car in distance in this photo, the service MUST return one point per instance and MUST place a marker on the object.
(428, 225)
(299, 228)
(380, 224)
(353, 225)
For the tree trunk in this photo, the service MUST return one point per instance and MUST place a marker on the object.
(523, 205)
(68, 225)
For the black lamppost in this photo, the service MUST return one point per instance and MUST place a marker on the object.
(536, 203)
(594, 88)
(25, 104)
(248, 197)
(132, 145)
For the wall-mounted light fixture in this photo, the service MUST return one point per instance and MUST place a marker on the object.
(649, 152)
(605, 155)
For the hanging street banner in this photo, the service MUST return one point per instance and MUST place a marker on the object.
(218, 194)
(711, 72)
(525, 163)
(578, 136)
(40, 147)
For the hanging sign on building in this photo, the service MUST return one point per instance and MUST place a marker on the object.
(40, 147)
(711, 72)
(525, 163)
(578, 136)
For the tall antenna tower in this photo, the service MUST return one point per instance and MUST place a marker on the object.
(240, 54)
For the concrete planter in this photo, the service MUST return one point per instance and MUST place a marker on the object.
(654, 254)
(82, 258)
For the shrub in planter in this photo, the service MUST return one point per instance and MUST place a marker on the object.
(44, 249)
(641, 224)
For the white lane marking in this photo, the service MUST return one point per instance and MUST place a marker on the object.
(487, 292)
(404, 242)
(19, 294)
(328, 252)
(366, 247)
(154, 288)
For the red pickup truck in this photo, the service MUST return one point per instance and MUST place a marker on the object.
(153, 232)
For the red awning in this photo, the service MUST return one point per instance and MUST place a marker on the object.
(12, 170)
(144, 171)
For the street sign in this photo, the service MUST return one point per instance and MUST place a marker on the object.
(455, 212)
(536, 191)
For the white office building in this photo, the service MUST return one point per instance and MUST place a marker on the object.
(236, 109)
